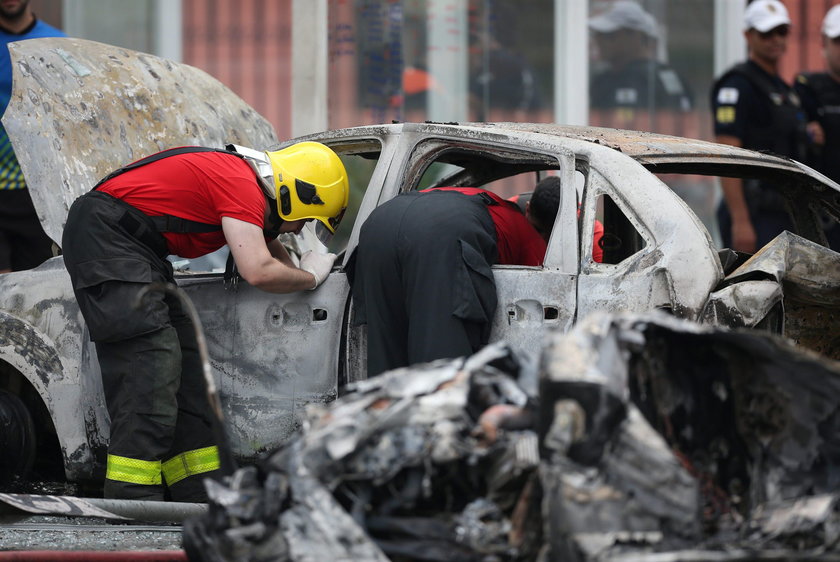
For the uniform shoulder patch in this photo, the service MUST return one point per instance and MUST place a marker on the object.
(727, 96)
(671, 82)
(626, 96)
(725, 115)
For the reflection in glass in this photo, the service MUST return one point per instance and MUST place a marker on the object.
(440, 60)
(648, 60)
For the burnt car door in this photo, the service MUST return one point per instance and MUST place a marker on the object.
(656, 252)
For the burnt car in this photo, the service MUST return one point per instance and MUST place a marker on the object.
(81, 109)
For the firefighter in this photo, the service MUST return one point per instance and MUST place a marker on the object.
(187, 201)
(421, 277)
(547, 193)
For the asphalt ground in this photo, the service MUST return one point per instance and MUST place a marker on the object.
(59, 533)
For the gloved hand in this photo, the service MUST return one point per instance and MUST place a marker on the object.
(319, 265)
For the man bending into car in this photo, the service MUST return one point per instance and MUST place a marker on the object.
(186, 201)
(422, 278)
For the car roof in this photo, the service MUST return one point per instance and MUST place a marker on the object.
(658, 152)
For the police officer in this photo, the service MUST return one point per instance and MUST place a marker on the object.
(626, 37)
(755, 108)
(186, 201)
(422, 278)
(820, 95)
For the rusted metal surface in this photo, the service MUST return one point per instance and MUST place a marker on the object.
(80, 109)
(271, 354)
(814, 326)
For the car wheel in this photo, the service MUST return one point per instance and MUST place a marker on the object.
(17, 438)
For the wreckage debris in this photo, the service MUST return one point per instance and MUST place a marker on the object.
(650, 436)
(396, 469)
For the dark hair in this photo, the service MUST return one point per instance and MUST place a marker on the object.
(545, 201)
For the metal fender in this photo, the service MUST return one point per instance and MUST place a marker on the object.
(70, 401)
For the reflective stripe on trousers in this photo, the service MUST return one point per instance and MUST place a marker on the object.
(190, 463)
(133, 471)
(150, 473)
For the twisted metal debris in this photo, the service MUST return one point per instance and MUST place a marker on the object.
(651, 436)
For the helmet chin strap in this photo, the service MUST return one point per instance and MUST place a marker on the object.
(273, 222)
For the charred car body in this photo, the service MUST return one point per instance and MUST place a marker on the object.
(652, 438)
(80, 109)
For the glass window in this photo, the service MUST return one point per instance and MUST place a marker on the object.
(437, 163)
(441, 60)
(127, 23)
(360, 166)
(651, 68)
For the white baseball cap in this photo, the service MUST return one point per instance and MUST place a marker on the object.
(831, 23)
(764, 15)
(624, 14)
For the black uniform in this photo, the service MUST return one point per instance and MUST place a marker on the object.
(23, 242)
(422, 278)
(765, 113)
(820, 95)
(641, 84)
(404, 246)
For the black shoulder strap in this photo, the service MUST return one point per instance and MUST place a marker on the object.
(160, 156)
(756, 78)
(489, 201)
(170, 223)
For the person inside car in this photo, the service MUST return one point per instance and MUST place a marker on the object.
(422, 278)
(547, 193)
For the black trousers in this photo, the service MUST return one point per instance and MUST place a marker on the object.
(23, 243)
(160, 432)
(422, 278)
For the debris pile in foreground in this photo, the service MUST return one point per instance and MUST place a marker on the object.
(650, 435)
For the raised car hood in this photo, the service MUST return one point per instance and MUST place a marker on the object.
(80, 109)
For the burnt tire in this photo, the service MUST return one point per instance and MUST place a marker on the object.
(17, 439)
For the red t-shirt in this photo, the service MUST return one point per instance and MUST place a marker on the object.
(517, 241)
(199, 186)
(597, 234)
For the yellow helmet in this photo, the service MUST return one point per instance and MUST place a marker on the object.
(310, 183)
